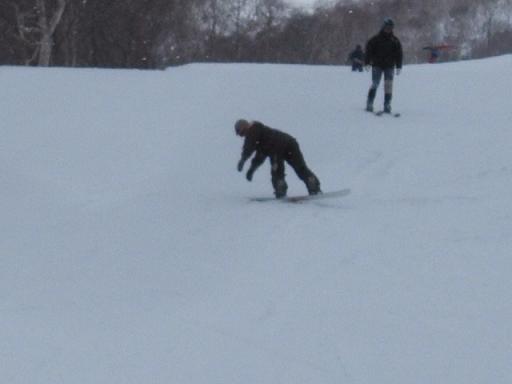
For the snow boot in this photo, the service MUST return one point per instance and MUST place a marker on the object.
(313, 185)
(280, 189)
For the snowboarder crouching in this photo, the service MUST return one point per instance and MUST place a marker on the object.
(280, 147)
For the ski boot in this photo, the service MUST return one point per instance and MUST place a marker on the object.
(387, 103)
(369, 101)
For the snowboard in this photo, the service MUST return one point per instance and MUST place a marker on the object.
(303, 198)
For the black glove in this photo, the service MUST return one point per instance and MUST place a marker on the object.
(249, 174)
(240, 166)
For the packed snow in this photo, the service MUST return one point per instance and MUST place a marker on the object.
(131, 252)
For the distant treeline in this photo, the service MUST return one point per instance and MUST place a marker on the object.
(160, 33)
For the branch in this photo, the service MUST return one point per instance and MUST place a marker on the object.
(35, 54)
(20, 22)
(57, 16)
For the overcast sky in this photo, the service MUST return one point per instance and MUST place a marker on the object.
(306, 3)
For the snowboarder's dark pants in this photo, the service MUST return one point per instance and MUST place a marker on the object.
(293, 156)
(377, 74)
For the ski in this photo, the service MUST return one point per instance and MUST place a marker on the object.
(381, 113)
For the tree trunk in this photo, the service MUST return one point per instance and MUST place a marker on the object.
(47, 31)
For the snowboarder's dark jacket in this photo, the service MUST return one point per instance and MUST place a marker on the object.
(266, 142)
(281, 148)
(384, 50)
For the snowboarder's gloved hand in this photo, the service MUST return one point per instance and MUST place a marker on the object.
(240, 166)
(249, 174)
(398, 71)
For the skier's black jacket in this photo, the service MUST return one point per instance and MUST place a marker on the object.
(356, 54)
(267, 142)
(384, 50)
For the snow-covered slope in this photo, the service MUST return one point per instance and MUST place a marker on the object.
(131, 254)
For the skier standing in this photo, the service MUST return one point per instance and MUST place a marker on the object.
(383, 53)
(280, 147)
(356, 58)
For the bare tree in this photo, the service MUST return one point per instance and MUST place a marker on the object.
(270, 12)
(215, 15)
(47, 24)
(36, 25)
(157, 33)
(240, 16)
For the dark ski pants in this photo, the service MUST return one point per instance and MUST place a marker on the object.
(357, 67)
(293, 156)
(377, 74)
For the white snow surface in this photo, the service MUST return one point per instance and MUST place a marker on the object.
(130, 252)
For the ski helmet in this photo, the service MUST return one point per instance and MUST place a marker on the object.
(388, 22)
(241, 125)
